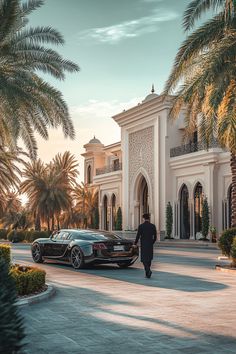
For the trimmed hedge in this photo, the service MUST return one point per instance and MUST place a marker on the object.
(24, 235)
(5, 253)
(3, 234)
(226, 240)
(28, 280)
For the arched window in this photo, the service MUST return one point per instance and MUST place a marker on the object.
(89, 179)
(198, 200)
(184, 213)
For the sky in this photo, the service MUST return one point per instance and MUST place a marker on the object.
(122, 48)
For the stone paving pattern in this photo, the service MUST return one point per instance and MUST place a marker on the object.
(186, 307)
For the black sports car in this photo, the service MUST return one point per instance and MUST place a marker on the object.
(81, 247)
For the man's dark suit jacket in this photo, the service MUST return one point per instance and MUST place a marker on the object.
(147, 234)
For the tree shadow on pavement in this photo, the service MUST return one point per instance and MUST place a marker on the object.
(82, 320)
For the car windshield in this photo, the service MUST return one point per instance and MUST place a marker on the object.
(94, 236)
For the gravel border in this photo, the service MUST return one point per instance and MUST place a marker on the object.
(34, 299)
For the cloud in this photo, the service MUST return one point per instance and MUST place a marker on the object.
(129, 29)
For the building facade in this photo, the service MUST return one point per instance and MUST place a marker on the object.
(150, 167)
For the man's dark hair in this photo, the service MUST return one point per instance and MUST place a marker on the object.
(146, 216)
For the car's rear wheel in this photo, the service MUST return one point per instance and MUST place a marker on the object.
(125, 264)
(37, 253)
(77, 258)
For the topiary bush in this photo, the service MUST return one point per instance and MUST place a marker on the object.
(205, 219)
(11, 326)
(118, 225)
(169, 220)
(3, 234)
(28, 280)
(226, 240)
(5, 253)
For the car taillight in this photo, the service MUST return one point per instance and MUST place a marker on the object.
(99, 246)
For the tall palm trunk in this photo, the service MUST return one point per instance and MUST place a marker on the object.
(37, 222)
(48, 222)
(233, 199)
(53, 222)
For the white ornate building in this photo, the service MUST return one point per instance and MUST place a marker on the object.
(151, 166)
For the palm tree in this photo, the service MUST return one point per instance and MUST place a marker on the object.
(204, 76)
(28, 104)
(67, 164)
(9, 174)
(49, 188)
(85, 202)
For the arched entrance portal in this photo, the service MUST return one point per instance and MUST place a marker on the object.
(198, 200)
(143, 198)
(105, 216)
(184, 213)
(113, 210)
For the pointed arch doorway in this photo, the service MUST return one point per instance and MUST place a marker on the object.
(141, 197)
(184, 213)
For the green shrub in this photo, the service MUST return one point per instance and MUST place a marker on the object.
(205, 218)
(11, 325)
(226, 240)
(233, 251)
(169, 220)
(118, 225)
(16, 235)
(5, 253)
(39, 234)
(3, 234)
(28, 280)
(25, 235)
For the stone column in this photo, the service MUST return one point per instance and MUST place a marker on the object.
(100, 216)
(191, 217)
(210, 171)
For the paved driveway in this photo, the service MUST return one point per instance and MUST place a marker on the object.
(186, 307)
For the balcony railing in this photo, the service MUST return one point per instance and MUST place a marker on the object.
(107, 169)
(192, 147)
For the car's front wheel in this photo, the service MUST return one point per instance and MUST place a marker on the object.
(77, 258)
(37, 253)
(125, 264)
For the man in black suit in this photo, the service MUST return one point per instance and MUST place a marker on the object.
(147, 234)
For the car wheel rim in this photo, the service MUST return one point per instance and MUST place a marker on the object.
(36, 252)
(76, 258)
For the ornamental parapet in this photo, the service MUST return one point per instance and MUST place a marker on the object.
(108, 169)
(193, 147)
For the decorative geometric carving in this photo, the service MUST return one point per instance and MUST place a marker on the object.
(141, 153)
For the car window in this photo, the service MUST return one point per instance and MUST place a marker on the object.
(66, 235)
(60, 236)
(90, 235)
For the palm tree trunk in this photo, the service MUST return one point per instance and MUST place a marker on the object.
(48, 222)
(58, 222)
(53, 222)
(37, 223)
(233, 199)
